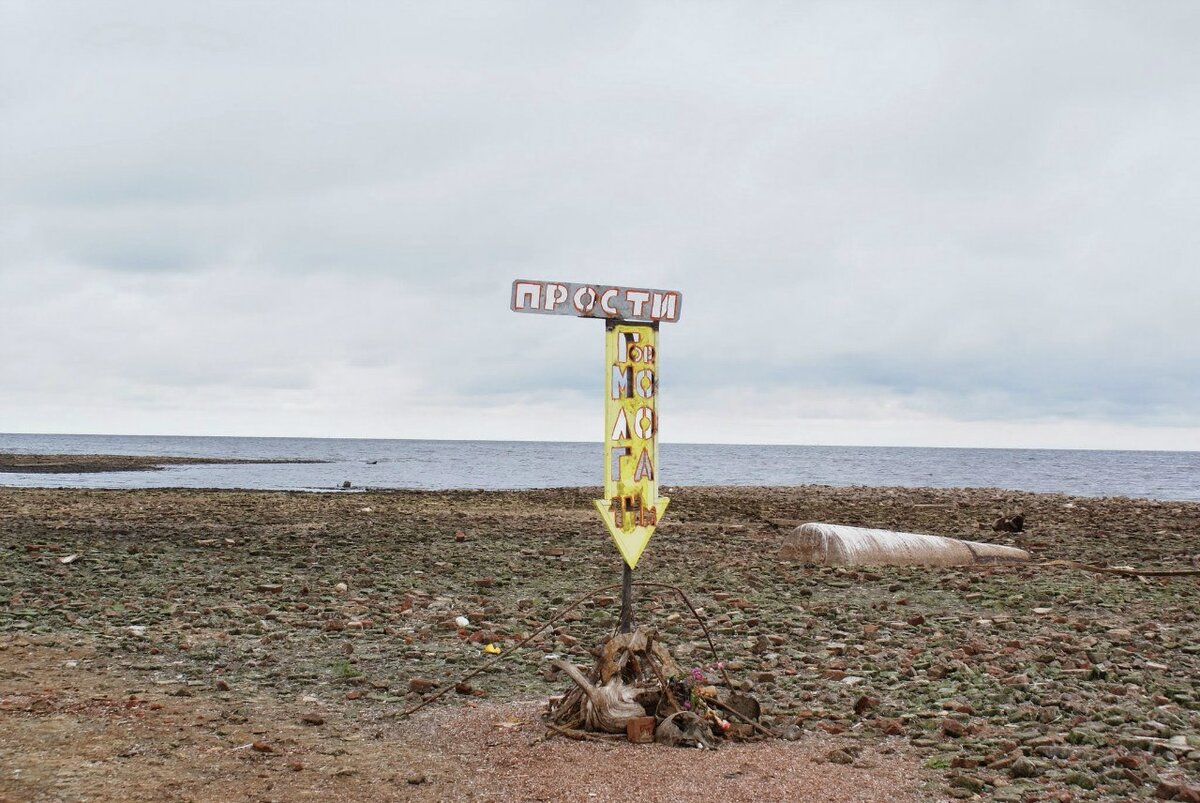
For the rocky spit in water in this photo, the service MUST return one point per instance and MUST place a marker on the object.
(13, 463)
(1009, 683)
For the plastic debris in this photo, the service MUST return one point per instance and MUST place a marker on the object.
(837, 545)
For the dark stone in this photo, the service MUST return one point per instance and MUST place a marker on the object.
(839, 757)
(1024, 768)
(745, 705)
(1010, 524)
(864, 703)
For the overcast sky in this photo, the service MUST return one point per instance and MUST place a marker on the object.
(965, 224)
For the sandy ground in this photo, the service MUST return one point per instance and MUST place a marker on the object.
(211, 645)
(90, 736)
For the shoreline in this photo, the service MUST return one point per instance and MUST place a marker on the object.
(445, 465)
(243, 611)
(18, 463)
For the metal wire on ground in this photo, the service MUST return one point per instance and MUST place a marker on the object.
(575, 603)
(1127, 571)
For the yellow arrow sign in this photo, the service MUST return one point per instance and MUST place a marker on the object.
(631, 507)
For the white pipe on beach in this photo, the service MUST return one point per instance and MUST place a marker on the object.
(837, 545)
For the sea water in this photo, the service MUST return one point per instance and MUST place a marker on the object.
(439, 464)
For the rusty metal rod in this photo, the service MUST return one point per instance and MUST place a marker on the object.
(626, 625)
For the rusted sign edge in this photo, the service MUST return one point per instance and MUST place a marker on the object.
(606, 301)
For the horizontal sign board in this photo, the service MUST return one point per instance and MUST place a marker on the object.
(596, 301)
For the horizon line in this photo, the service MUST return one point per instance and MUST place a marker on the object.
(597, 442)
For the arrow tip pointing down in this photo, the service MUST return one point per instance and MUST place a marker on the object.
(630, 543)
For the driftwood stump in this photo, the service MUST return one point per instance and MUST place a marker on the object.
(608, 707)
(635, 677)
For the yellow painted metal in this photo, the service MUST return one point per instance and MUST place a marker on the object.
(631, 507)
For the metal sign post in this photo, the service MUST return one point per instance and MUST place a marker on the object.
(631, 507)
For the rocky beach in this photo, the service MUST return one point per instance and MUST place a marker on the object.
(215, 645)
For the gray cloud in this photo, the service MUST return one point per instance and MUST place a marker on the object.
(984, 215)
